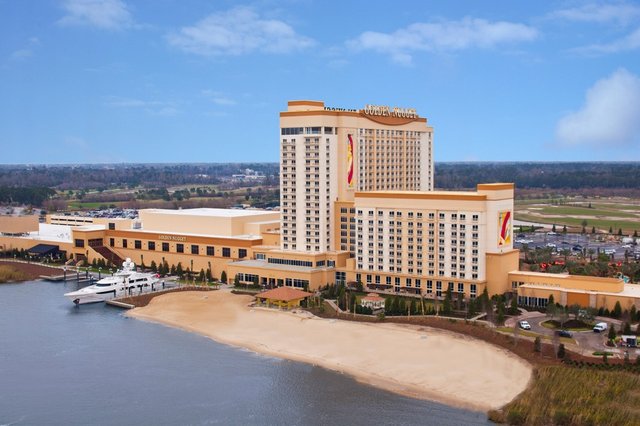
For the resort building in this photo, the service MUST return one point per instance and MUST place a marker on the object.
(357, 206)
(327, 154)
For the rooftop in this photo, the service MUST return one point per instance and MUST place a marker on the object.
(266, 265)
(223, 213)
(284, 294)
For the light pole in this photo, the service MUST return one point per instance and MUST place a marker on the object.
(64, 271)
(99, 273)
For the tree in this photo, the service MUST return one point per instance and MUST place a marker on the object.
(446, 306)
(471, 309)
(611, 229)
(513, 309)
(223, 277)
(179, 270)
(500, 318)
(561, 351)
(612, 332)
(208, 275)
(553, 228)
(201, 275)
(154, 267)
(236, 280)
(537, 345)
(617, 310)
(564, 229)
(620, 232)
(593, 229)
(627, 328)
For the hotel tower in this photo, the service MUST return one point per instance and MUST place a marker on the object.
(329, 154)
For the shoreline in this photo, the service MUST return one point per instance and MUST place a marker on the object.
(392, 357)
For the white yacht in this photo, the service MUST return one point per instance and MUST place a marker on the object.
(123, 283)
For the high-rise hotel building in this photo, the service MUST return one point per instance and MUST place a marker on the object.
(329, 154)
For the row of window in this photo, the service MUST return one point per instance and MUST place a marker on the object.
(180, 248)
(412, 282)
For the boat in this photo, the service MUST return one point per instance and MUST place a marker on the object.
(125, 282)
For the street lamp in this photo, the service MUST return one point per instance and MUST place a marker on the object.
(99, 273)
(64, 270)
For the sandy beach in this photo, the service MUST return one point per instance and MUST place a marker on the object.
(420, 362)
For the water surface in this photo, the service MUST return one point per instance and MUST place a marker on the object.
(92, 366)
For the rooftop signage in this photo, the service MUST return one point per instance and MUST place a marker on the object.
(340, 109)
(387, 111)
(172, 238)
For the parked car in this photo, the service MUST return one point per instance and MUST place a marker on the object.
(600, 327)
(564, 333)
(524, 325)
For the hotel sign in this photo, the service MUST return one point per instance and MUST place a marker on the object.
(386, 111)
(172, 238)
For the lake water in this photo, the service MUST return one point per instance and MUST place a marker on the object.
(92, 366)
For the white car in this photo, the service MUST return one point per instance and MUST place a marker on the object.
(524, 325)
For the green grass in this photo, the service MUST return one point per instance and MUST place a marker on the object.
(600, 224)
(566, 395)
(582, 211)
(534, 334)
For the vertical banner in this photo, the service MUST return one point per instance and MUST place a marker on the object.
(350, 162)
(504, 228)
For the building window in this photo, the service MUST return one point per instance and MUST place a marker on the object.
(180, 248)
(226, 252)
(460, 287)
(165, 246)
(242, 253)
(151, 245)
(137, 244)
(112, 242)
(211, 251)
(124, 243)
(112, 226)
(195, 249)
(79, 242)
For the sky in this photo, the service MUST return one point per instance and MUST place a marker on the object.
(154, 81)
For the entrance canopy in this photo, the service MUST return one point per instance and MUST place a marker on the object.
(43, 250)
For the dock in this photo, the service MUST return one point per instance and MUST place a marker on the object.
(119, 304)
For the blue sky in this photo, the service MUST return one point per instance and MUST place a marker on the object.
(95, 81)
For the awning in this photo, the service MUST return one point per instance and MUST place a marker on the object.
(43, 250)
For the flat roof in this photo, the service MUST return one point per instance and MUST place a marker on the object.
(210, 212)
(276, 266)
(629, 290)
(190, 234)
(565, 276)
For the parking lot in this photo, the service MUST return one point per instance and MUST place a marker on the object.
(586, 342)
(578, 242)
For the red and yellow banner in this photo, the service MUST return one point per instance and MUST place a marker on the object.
(350, 161)
(504, 228)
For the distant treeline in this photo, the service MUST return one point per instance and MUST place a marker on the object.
(539, 175)
(101, 176)
(447, 175)
(34, 196)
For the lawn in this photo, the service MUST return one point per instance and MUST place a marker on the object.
(600, 224)
(569, 395)
(585, 211)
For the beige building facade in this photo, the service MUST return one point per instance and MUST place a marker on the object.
(327, 154)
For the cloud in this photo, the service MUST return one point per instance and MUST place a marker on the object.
(629, 42)
(152, 107)
(443, 35)
(238, 31)
(103, 14)
(601, 13)
(218, 98)
(27, 51)
(609, 115)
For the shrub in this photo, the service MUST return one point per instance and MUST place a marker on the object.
(561, 351)
(516, 417)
